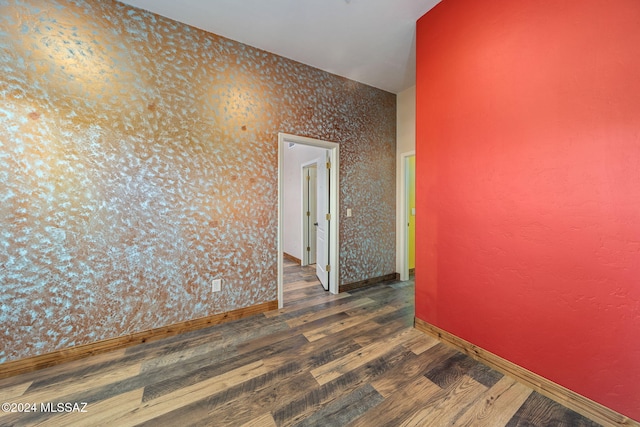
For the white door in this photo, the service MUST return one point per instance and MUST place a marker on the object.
(322, 232)
(309, 214)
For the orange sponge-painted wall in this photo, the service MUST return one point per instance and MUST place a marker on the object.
(528, 186)
(138, 162)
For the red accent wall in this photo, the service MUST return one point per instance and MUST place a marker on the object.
(528, 186)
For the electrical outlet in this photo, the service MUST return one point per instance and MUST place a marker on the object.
(216, 285)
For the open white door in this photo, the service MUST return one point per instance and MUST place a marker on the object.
(322, 227)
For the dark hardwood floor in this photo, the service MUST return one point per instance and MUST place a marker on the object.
(323, 360)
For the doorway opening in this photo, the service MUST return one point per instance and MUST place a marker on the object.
(408, 214)
(309, 213)
(326, 225)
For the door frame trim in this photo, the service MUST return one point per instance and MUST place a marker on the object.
(404, 217)
(334, 224)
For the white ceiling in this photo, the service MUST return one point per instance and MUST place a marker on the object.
(371, 41)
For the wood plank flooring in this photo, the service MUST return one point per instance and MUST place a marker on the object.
(323, 360)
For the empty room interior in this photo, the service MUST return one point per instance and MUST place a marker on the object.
(346, 212)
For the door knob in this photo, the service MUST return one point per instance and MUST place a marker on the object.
(315, 223)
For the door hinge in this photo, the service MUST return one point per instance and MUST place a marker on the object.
(328, 268)
(308, 178)
(328, 217)
(328, 165)
(308, 248)
(308, 213)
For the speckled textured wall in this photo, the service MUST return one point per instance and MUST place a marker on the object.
(138, 160)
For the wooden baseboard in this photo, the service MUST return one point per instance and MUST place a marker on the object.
(368, 282)
(34, 363)
(291, 258)
(572, 400)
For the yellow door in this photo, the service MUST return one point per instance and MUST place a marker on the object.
(411, 210)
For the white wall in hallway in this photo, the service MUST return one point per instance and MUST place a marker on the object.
(405, 143)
